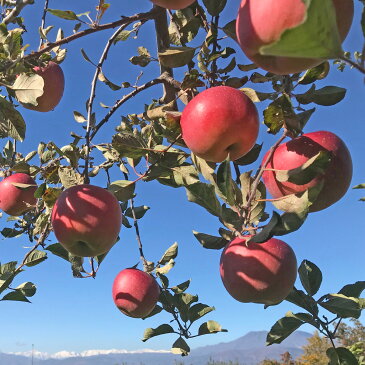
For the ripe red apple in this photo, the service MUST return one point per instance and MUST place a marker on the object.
(261, 22)
(54, 84)
(17, 200)
(258, 272)
(294, 153)
(86, 220)
(135, 293)
(173, 4)
(218, 122)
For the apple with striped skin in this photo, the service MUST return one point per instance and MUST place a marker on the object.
(173, 4)
(262, 22)
(294, 153)
(54, 84)
(220, 122)
(17, 200)
(135, 293)
(258, 272)
(86, 220)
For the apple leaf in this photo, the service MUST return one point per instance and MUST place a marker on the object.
(310, 277)
(353, 290)
(210, 242)
(230, 30)
(69, 177)
(58, 250)
(16, 295)
(107, 82)
(256, 96)
(307, 97)
(28, 289)
(180, 176)
(341, 305)
(169, 254)
(267, 232)
(299, 298)
(226, 188)
(285, 326)
(28, 88)
(122, 189)
(160, 330)
(166, 268)
(35, 258)
(12, 123)
(64, 14)
(204, 195)
(329, 95)
(176, 56)
(199, 310)
(178, 289)
(128, 145)
(155, 311)
(215, 7)
(139, 212)
(316, 73)
(180, 347)
(210, 327)
(316, 37)
(341, 355)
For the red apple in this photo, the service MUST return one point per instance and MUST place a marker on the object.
(258, 272)
(86, 220)
(173, 4)
(261, 22)
(17, 200)
(294, 153)
(135, 293)
(54, 83)
(218, 122)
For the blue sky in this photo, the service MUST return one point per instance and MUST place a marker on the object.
(75, 315)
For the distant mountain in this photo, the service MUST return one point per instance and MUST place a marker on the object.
(249, 349)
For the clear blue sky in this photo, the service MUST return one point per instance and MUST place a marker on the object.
(74, 315)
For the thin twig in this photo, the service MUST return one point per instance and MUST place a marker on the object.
(43, 22)
(353, 64)
(92, 97)
(20, 4)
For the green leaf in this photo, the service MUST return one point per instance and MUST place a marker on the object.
(178, 289)
(199, 310)
(343, 306)
(64, 14)
(316, 37)
(58, 250)
(28, 88)
(210, 327)
(107, 82)
(16, 296)
(180, 347)
(310, 276)
(227, 188)
(285, 326)
(353, 290)
(176, 56)
(122, 36)
(329, 95)
(160, 330)
(267, 232)
(316, 73)
(210, 242)
(169, 254)
(299, 298)
(138, 211)
(230, 29)
(35, 258)
(12, 123)
(341, 356)
(155, 311)
(28, 289)
(128, 145)
(215, 7)
(122, 189)
(204, 195)
(86, 57)
(166, 268)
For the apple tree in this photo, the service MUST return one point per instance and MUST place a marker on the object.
(199, 134)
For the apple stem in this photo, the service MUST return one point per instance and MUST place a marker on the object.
(260, 171)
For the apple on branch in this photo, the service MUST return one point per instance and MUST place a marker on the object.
(54, 84)
(258, 272)
(86, 220)
(336, 177)
(262, 23)
(135, 293)
(17, 194)
(220, 122)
